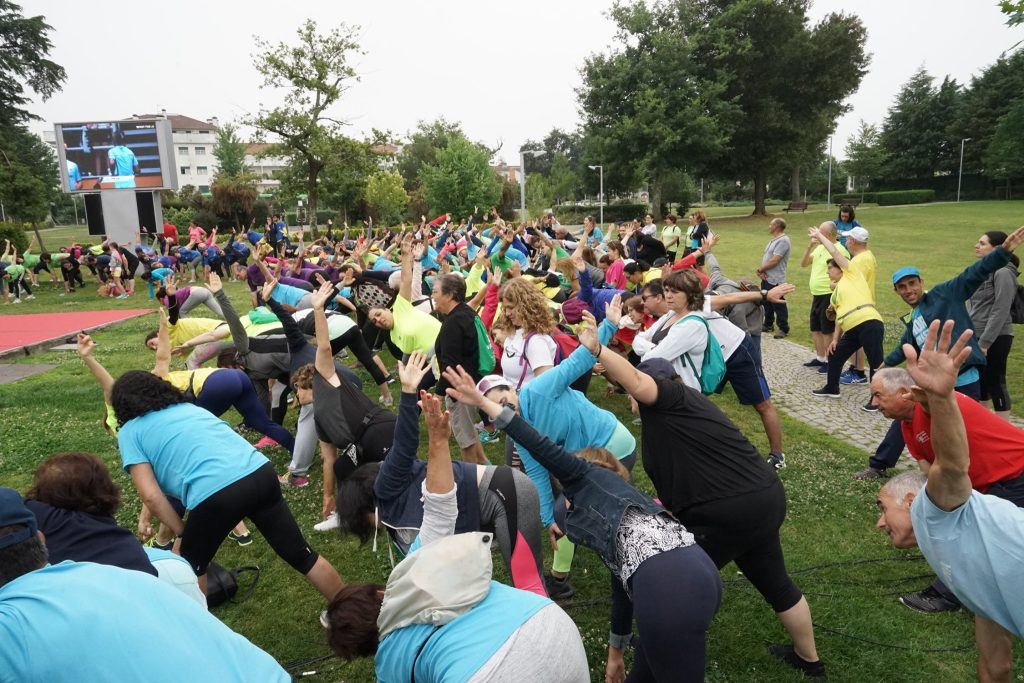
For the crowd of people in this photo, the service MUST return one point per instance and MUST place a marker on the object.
(498, 328)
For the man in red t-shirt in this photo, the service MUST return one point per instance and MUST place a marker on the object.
(170, 237)
(997, 447)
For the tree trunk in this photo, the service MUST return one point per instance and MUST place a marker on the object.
(794, 184)
(759, 192)
(39, 238)
(656, 199)
(311, 199)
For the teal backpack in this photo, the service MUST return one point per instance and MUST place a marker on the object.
(713, 368)
(484, 348)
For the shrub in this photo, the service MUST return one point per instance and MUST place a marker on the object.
(613, 213)
(905, 197)
(866, 197)
(16, 234)
(179, 217)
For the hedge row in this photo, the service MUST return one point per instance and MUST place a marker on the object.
(889, 198)
(613, 213)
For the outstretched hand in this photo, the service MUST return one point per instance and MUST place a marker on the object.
(85, 345)
(320, 297)
(935, 367)
(412, 372)
(814, 234)
(215, 283)
(587, 333)
(268, 288)
(1014, 239)
(434, 415)
(462, 387)
(777, 294)
(613, 310)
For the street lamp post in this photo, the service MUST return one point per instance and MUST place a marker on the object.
(600, 193)
(829, 201)
(522, 178)
(960, 177)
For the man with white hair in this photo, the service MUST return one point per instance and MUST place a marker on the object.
(974, 541)
(860, 255)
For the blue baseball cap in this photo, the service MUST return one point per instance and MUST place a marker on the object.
(905, 271)
(14, 513)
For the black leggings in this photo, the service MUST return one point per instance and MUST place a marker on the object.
(993, 374)
(745, 529)
(258, 497)
(354, 340)
(509, 505)
(675, 597)
(228, 388)
(868, 335)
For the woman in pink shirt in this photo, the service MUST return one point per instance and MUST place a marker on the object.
(615, 276)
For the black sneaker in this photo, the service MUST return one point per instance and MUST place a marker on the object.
(815, 363)
(787, 654)
(823, 369)
(780, 335)
(824, 392)
(558, 589)
(929, 601)
(240, 539)
(869, 473)
(768, 328)
(869, 407)
(777, 460)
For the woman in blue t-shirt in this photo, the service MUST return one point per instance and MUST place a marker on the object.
(171, 447)
(845, 221)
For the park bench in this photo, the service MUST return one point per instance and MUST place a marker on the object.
(796, 206)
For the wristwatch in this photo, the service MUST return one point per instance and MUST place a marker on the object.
(764, 296)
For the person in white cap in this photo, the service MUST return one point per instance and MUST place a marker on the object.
(860, 255)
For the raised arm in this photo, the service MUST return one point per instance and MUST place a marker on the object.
(405, 285)
(324, 358)
(440, 507)
(775, 295)
(393, 477)
(935, 370)
(85, 346)
(839, 257)
(162, 365)
(616, 368)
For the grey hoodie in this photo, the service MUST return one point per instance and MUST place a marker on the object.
(990, 305)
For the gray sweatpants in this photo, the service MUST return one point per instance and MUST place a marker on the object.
(305, 442)
(201, 295)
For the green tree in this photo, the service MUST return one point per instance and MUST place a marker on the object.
(313, 70)
(914, 135)
(790, 80)
(344, 178)
(1014, 11)
(988, 97)
(386, 197)
(233, 198)
(229, 151)
(865, 157)
(461, 179)
(424, 143)
(24, 47)
(565, 183)
(648, 108)
(539, 194)
(1005, 155)
(29, 178)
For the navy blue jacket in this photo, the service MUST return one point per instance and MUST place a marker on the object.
(947, 301)
(398, 484)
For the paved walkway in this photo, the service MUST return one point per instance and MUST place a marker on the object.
(791, 386)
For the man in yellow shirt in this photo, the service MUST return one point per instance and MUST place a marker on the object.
(816, 256)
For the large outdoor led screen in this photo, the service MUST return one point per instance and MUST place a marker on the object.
(115, 155)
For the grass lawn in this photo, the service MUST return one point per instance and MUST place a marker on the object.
(849, 571)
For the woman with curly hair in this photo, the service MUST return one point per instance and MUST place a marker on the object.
(529, 350)
(171, 447)
(74, 501)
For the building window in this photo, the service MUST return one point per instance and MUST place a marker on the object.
(200, 170)
(183, 151)
(200, 151)
(203, 189)
(184, 170)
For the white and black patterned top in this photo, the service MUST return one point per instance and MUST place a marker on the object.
(641, 536)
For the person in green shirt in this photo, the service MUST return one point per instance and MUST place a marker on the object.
(816, 257)
(671, 235)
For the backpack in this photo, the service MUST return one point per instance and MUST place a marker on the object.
(484, 348)
(1017, 306)
(713, 367)
(565, 343)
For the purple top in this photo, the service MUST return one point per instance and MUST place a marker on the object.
(254, 278)
(181, 294)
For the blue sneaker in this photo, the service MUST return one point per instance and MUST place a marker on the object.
(488, 437)
(851, 376)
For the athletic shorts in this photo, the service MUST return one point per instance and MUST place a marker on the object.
(744, 371)
(462, 417)
(820, 321)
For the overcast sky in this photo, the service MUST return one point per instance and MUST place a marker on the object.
(460, 59)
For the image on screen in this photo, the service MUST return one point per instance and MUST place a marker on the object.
(113, 155)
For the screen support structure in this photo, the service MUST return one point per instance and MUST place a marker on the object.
(121, 217)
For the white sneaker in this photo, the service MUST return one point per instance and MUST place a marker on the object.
(328, 524)
(17, 301)
(30, 296)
